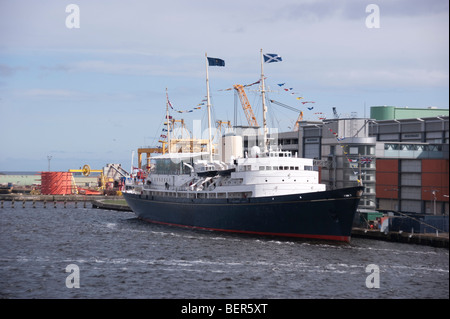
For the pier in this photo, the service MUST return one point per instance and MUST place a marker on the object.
(19, 200)
(430, 239)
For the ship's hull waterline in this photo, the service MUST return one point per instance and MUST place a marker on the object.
(326, 215)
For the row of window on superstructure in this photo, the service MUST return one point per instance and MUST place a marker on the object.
(161, 179)
(277, 168)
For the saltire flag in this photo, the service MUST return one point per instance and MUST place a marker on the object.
(272, 57)
(215, 62)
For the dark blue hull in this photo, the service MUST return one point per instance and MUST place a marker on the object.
(321, 215)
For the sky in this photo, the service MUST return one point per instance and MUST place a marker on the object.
(95, 93)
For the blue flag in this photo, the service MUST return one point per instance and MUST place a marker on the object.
(216, 62)
(272, 57)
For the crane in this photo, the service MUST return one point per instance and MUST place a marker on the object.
(300, 116)
(246, 105)
(299, 119)
(86, 171)
(335, 113)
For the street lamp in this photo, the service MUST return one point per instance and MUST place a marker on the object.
(49, 158)
(433, 191)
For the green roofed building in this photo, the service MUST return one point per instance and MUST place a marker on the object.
(381, 113)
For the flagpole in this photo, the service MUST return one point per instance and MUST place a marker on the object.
(360, 174)
(263, 96)
(168, 123)
(209, 110)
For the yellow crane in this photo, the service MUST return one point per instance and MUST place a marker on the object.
(86, 171)
(246, 105)
(299, 119)
(219, 125)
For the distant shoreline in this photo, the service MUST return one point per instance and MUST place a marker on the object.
(20, 172)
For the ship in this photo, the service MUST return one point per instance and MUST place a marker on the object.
(263, 192)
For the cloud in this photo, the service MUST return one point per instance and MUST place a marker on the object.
(386, 77)
(50, 93)
(319, 10)
(7, 71)
(124, 55)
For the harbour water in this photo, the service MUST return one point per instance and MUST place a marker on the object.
(87, 253)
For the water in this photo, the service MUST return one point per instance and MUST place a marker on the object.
(119, 256)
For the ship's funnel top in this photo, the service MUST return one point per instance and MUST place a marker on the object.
(255, 151)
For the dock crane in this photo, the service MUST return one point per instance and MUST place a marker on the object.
(86, 171)
(335, 113)
(246, 105)
(300, 115)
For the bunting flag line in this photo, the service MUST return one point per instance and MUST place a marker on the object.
(293, 92)
(198, 107)
(366, 160)
(245, 85)
(320, 115)
(350, 160)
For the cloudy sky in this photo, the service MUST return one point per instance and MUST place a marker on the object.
(93, 94)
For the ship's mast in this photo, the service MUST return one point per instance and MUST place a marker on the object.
(168, 123)
(209, 111)
(263, 96)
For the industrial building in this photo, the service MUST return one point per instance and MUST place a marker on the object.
(412, 164)
(402, 159)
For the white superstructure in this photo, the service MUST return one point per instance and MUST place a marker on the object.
(277, 173)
